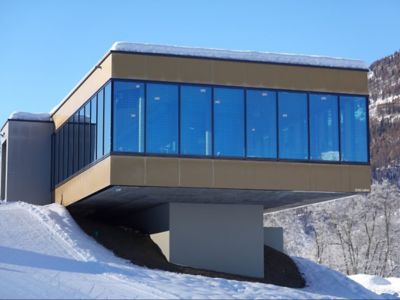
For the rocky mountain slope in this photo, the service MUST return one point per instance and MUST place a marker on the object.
(384, 86)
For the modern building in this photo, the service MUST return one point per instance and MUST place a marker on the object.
(192, 146)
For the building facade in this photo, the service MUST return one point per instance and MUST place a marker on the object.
(157, 136)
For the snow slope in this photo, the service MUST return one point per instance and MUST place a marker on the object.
(44, 254)
(384, 286)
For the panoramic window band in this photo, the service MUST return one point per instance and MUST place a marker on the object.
(192, 120)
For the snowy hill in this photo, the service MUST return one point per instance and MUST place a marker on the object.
(44, 254)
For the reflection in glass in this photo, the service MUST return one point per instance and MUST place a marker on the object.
(100, 123)
(162, 118)
(81, 138)
(70, 125)
(195, 120)
(229, 122)
(93, 128)
(87, 133)
(76, 142)
(293, 132)
(261, 124)
(128, 116)
(107, 118)
(324, 130)
(353, 128)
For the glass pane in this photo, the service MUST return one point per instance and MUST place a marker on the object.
(87, 133)
(71, 146)
(56, 156)
(228, 122)
(81, 138)
(76, 142)
(261, 123)
(293, 132)
(162, 118)
(93, 128)
(128, 116)
(353, 129)
(61, 153)
(195, 120)
(324, 130)
(107, 119)
(52, 161)
(100, 123)
(64, 131)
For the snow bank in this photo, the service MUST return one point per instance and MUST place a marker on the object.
(384, 286)
(284, 58)
(44, 254)
(30, 116)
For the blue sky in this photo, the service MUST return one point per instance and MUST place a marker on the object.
(48, 46)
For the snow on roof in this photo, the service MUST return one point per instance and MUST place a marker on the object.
(268, 57)
(27, 116)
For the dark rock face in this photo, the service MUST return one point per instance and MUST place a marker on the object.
(384, 90)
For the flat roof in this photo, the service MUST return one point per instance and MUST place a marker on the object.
(240, 55)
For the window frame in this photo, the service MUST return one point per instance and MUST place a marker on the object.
(56, 144)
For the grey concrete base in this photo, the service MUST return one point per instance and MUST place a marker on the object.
(224, 238)
(273, 237)
(26, 165)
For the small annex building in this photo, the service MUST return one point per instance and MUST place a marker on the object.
(192, 145)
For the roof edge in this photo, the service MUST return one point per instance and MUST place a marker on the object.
(241, 55)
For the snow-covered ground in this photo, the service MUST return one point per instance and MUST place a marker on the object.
(44, 254)
(384, 286)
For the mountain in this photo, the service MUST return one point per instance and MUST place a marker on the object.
(384, 108)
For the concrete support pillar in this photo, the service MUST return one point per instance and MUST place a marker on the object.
(273, 237)
(219, 237)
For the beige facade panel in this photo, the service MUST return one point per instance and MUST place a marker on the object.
(239, 174)
(130, 171)
(86, 89)
(84, 184)
(251, 74)
(213, 173)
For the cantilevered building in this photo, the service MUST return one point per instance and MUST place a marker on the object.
(192, 145)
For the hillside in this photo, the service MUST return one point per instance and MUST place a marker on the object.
(384, 86)
(44, 254)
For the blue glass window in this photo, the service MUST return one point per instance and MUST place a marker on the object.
(353, 129)
(196, 120)
(324, 127)
(93, 128)
(107, 118)
(81, 138)
(162, 118)
(61, 163)
(229, 122)
(56, 156)
(87, 133)
(261, 123)
(293, 125)
(100, 123)
(76, 142)
(70, 145)
(128, 128)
